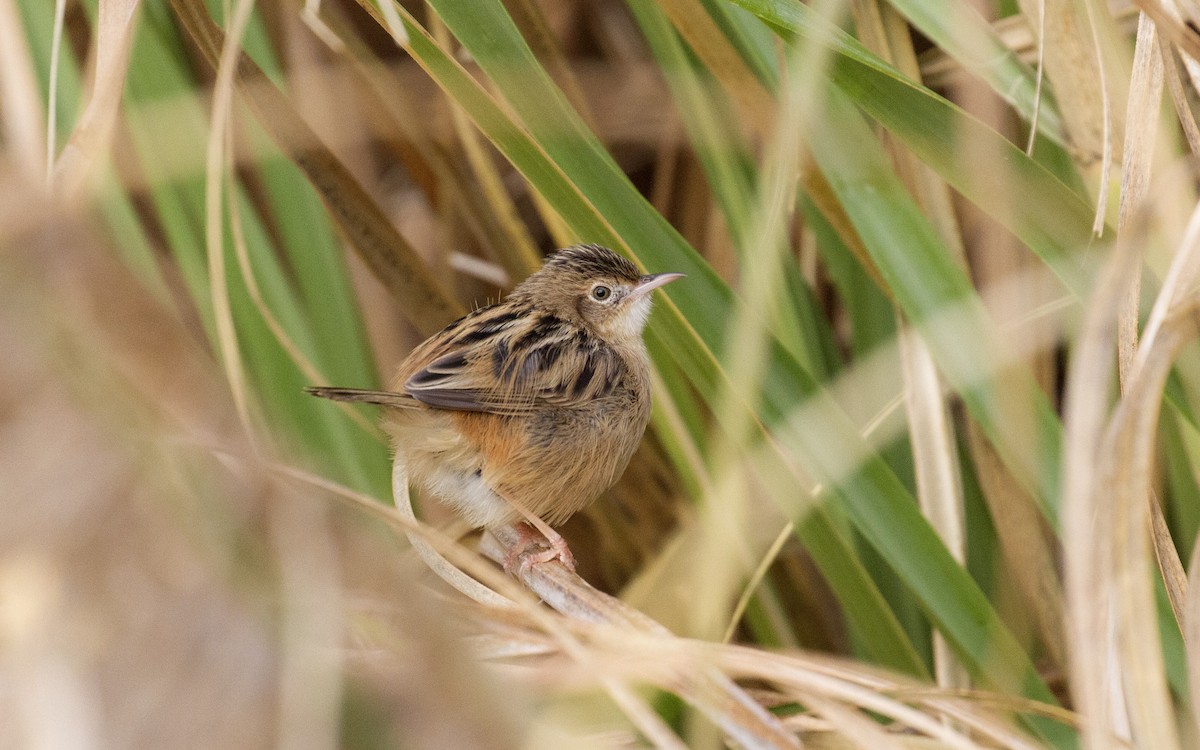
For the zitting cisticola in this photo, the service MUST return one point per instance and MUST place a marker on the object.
(530, 408)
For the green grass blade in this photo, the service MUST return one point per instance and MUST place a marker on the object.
(959, 30)
(937, 296)
(310, 297)
(1035, 205)
(731, 177)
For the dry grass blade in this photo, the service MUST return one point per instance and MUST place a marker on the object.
(726, 704)
(857, 730)
(1191, 65)
(939, 489)
(1073, 58)
(1191, 630)
(431, 557)
(566, 592)
(758, 110)
(60, 12)
(1181, 277)
(1112, 128)
(242, 253)
(754, 581)
(1015, 291)
(1087, 531)
(696, 25)
(515, 246)
(1107, 524)
(219, 150)
(1170, 24)
(638, 648)
(1040, 36)
(1173, 297)
(875, 691)
(1183, 108)
(381, 246)
(1170, 566)
(23, 122)
(90, 140)
(935, 456)
(1024, 540)
(1145, 100)
(1127, 458)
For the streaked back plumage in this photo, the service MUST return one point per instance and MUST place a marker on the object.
(542, 397)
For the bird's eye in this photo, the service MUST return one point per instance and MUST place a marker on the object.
(601, 292)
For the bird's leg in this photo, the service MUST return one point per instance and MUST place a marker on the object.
(531, 549)
(521, 557)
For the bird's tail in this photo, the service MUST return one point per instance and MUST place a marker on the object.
(361, 395)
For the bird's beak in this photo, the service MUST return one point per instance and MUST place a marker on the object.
(648, 284)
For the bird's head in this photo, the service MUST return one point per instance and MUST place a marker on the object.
(595, 288)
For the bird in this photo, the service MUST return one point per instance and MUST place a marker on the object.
(525, 411)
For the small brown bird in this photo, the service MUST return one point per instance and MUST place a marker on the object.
(529, 408)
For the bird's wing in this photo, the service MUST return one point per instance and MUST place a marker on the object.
(535, 362)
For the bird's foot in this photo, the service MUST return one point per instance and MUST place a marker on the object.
(533, 548)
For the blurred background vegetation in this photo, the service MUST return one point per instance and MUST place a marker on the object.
(925, 438)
